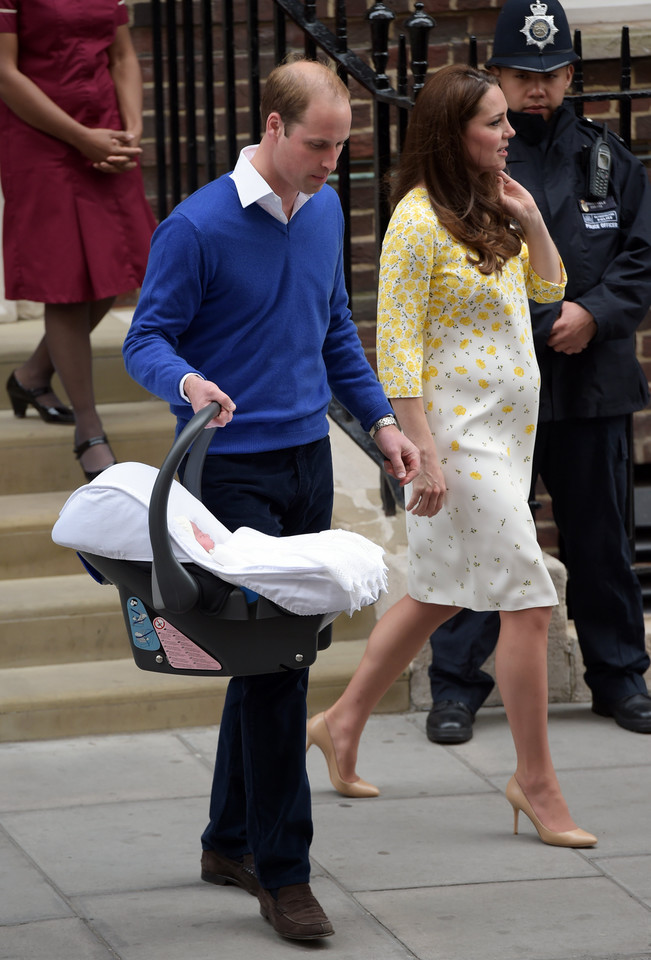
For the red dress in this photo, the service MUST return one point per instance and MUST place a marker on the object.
(71, 233)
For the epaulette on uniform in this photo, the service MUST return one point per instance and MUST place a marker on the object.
(596, 129)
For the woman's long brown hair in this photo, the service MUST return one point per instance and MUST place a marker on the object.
(434, 155)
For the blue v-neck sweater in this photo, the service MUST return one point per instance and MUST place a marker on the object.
(260, 308)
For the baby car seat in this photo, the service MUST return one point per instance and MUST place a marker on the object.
(183, 619)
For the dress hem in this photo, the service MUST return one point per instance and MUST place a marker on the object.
(510, 608)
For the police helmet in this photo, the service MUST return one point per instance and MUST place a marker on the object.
(532, 36)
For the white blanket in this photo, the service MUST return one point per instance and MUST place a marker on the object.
(313, 573)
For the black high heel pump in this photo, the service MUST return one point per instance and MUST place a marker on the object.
(20, 397)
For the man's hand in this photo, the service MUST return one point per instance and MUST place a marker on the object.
(201, 392)
(402, 457)
(572, 330)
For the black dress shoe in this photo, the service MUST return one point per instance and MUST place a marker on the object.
(632, 713)
(449, 722)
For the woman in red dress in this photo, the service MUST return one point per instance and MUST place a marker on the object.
(76, 223)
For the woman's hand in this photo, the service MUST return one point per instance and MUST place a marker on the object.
(516, 201)
(428, 487)
(428, 490)
(109, 150)
(519, 204)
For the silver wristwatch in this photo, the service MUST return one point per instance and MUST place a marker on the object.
(388, 421)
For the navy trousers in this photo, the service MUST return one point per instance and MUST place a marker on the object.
(260, 801)
(583, 465)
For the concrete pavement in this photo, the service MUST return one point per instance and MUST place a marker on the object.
(99, 851)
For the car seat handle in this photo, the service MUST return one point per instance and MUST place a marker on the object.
(173, 586)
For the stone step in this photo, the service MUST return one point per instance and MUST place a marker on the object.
(26, 545)
(37, 457)
(111, 381)
(73, 619)
(59, 620)
(114, 696)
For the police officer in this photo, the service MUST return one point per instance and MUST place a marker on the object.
(596, 200)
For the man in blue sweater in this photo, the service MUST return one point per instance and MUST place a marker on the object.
(244, 303)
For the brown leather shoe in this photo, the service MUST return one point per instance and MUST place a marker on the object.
(221, 870)
(296, 914)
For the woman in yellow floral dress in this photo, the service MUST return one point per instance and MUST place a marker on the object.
(465, 249)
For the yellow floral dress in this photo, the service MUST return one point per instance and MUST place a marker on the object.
(462, 341)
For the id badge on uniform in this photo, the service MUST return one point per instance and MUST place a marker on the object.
(599, 214)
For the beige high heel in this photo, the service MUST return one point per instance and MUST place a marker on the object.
(568, 838)
(318, 734)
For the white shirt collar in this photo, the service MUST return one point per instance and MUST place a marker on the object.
(253, 188)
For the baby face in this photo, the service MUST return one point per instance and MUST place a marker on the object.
(202, 538)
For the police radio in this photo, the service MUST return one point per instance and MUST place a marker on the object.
(599, 167)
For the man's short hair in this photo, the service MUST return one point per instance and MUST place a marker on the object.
(291, 86)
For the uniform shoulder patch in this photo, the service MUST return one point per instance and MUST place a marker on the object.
(595, 129)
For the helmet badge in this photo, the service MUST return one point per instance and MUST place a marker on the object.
(539, 29)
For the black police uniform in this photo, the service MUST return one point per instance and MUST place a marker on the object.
(586, 399)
